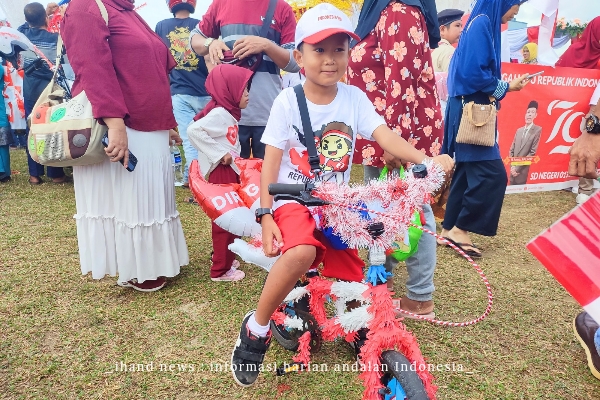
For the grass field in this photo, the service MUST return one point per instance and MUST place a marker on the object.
(64, 336)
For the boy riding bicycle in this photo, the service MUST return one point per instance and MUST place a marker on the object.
(338, 113)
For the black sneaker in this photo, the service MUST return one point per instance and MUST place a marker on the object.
(248, 354)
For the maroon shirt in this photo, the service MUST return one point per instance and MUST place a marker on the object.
(123, 69)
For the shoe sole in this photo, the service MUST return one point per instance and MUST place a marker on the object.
(593, 369)
(237, 343)
(128, 285)
(431, 315)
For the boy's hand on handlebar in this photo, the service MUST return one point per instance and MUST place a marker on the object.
(270, 233)
(445, 161)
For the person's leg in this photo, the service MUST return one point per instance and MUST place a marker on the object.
(222, 258)
(482, 201)
(586, 186)
(56, 173)
(458, 186)
(4, 163)
(258, 147)
(36, 170)
(245, 135)
(301, 251)
(185, 108)
(420, 267)
(586, 189)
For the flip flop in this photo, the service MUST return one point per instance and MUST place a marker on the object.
(470, 253)
(35, 183)
(66, 179)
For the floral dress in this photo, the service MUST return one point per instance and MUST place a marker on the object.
(393, 66)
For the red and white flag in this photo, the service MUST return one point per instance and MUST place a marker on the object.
(570, 251)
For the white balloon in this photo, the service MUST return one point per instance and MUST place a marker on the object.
(252, 255)
(239, 221)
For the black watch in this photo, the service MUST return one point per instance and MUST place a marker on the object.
(592, 124)
(260, 212)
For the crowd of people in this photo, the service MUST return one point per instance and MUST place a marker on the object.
(214, 85)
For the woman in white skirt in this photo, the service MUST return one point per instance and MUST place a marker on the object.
(127, 222)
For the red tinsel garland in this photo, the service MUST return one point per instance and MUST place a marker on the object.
(303, 355)
(385, 333)
(388, 333)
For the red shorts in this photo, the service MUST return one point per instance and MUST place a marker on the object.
(298, 227)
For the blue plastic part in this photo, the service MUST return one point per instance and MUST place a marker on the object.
(396, 390)
(377, 275)
(334, 239)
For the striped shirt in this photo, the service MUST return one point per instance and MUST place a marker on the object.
(235, 19)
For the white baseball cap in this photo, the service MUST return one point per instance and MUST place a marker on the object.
(320, 22)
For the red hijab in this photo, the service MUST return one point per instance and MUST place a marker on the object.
(585, 53)
(226, 84)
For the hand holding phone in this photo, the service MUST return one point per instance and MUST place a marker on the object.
(132, 162)
(534, 75)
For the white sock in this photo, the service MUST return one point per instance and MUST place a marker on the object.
(256, 328)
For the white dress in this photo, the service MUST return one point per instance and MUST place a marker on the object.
(127, 222)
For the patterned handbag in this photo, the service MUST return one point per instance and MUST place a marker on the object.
(64, 132)
(478, 124)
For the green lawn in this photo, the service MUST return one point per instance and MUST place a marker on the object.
(64, 335)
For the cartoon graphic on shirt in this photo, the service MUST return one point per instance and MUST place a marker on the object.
(336, 149)
(334, 145)
(183, 54)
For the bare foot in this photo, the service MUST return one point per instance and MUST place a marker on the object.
(460, 236)
(443, 233)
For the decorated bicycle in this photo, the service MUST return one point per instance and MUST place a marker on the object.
(376, 216)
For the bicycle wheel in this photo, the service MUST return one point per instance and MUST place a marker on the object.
(283, 337)
(400, 381)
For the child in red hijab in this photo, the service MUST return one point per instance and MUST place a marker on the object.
(215, 134)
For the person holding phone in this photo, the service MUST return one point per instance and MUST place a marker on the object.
(233, 25)
(479, 181)
(127, 222)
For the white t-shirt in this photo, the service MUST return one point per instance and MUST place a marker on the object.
(335, 126)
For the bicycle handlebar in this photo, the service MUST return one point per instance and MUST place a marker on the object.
(289, 188)
(301, 192)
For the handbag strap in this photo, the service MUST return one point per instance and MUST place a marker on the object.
(309, 134)
(470, 114)
(268, 18)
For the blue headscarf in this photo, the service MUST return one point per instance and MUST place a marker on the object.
(475, 66)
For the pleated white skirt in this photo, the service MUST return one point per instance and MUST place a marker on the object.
(127, 222)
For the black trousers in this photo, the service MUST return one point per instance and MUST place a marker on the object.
(476, 197)
(250, 140)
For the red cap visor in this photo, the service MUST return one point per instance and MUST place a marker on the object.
(324, 34)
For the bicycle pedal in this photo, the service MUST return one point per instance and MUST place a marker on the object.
(287, 368)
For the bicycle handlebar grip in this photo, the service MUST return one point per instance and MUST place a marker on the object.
(286, 188)
(419, 170)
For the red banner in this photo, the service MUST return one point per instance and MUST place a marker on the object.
(538, 125)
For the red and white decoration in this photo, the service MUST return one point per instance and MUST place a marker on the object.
(569, 250)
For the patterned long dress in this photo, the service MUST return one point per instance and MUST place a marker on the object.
(393, 66)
